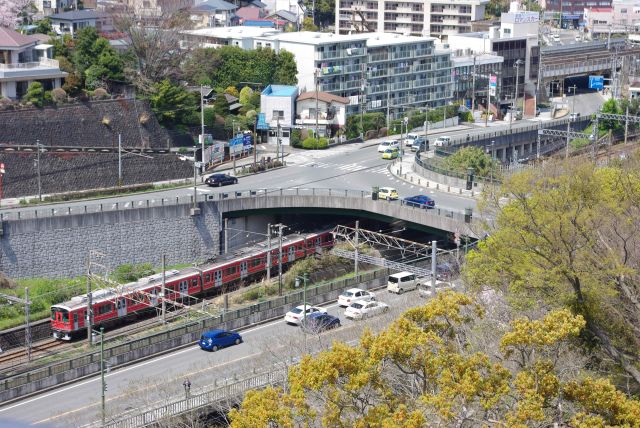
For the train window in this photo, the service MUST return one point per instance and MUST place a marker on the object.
(231, 270)
(256, 262)
(194, 282)
(75, 317)
(207, 277)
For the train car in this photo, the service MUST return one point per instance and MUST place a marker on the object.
(121, 304)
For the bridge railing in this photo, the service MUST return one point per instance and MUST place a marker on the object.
(61, 210)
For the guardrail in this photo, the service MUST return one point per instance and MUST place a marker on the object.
(88, 364)
(207, 396)
(60, 210)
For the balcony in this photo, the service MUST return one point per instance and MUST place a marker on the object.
(401, 70)
(377, 89)
(327, 55)
(352, 84)
(45, 68)
(377, 73)
(328, 87)
(354, 68)
(401, 55)
(379, 57)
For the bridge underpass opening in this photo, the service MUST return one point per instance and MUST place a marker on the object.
(248, 229)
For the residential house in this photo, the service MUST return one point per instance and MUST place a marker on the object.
(240, 36)
(24, 60)
(152, 9)
(326, 111)
(284, 18)
(47, 7)
(277, 102)
(73, 21)
(251, 13)
(214, 13)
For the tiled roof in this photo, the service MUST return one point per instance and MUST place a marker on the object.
(215, 5)
(285, 14)
(322, 96)
(75, 15)
(13, 39)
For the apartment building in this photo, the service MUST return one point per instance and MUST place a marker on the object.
(374, 71)
(24, 60)
(409, 17)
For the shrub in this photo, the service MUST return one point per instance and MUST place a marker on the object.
(313, 144)
(34, 95)
(131, 272)
(59, 96)
(6, 104)
(100, 94)
(296, 138)
(466, 116)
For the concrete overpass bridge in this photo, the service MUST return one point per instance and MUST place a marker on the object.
(599, 57)
(136, 230)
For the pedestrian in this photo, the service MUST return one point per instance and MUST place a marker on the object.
(187, 388)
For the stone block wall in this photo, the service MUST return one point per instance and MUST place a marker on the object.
(72, 171)
(59, 246)
(84, 125)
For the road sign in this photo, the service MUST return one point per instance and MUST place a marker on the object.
(493, 85)
(596, 82)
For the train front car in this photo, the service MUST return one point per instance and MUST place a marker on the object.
(61, 323)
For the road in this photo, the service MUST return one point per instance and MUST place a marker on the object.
(162, 377)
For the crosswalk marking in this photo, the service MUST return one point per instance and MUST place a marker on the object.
(352, 167)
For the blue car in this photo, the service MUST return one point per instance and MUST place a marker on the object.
(320, 321)
(421, 201)
(215, 339)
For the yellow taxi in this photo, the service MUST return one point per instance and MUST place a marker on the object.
(390, 153)
(388, 193)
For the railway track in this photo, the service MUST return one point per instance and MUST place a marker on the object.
(17, 357)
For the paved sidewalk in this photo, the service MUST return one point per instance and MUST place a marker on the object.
(404, 171)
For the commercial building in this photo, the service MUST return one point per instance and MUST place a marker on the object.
(241, 36)
(410, 17)
(471, 78)
(621, 18)
(571, 10)
(516, 40)
(24, 60)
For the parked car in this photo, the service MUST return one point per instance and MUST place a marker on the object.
(402, 281)
(389, 144)
(295, 315)
(217, 180)
(390, 154)
(420, 144)
(215, 339)
(421, 201)
(318, 322)
(442, 141)
(409, 139)
(425, 290)
(388, 193)
(362, 309)
(353, 294)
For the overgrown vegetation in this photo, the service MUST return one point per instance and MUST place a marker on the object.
(472, 157)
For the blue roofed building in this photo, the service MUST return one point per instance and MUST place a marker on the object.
(277, 102)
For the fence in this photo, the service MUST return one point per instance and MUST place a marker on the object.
(66, 209)
(117, 355)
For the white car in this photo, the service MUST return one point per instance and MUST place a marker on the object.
(295, 315)
(353, 294)
(362, 309)
(408, 141)
(390, 144)
(442, 141)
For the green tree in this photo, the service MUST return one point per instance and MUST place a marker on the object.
(308, 25)
(245, 96)
(44, 26)
(62, 46)
(611, 107)
(84, 53)
(201, 65)
(562, 239)
(286, 69)
(35, 94)
(471, 157)
(231, 90)
(172, 104)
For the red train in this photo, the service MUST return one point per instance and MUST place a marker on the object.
(118, 305)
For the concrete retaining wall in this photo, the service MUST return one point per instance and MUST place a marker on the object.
(58, 246)
(15, 337)
(66, 371)
(444, 179)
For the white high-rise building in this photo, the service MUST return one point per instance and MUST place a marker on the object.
(411, 17)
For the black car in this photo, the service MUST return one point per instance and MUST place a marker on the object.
(420, 144)
(218, 180)
(320, 321)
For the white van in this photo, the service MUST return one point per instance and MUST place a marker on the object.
(442, 141)
(401, 282)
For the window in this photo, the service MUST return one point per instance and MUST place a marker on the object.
(207, 277)
(231, 270)
(277, 114)
(105, 309)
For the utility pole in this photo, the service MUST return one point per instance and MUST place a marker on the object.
(226, 235)
(515, 102)
(363, 99)
(280, 226)
(388, 105)
(278, 139)
(268, 252)
(89, 305)
(255, 144)
(104, 384)
(473, 85)
(433, 265)
(27, 324)
(162, 291)
(119, 159)
(426, 129)
(356, 249)
(195, 178)
(486, 115)
(573, 107)
(39, 181)
(315, 74)
(626, 124)
(304, 303)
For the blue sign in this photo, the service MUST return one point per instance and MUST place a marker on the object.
(596, 82)
(247, 141)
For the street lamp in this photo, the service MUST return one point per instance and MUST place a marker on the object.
(405, 123)
(514, 103)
